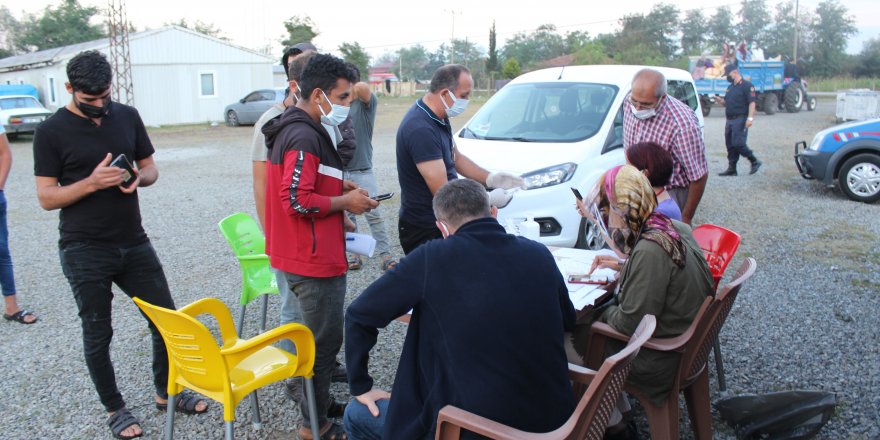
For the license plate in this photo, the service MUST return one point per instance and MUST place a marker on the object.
(33, 120)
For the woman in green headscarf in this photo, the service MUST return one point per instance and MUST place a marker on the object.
(663, 271)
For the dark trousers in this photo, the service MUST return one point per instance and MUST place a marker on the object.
(321, 301)
(736, 137)
(411, 236)
(90, 270)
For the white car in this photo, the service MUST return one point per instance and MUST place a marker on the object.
(559, 128)
(20, 114)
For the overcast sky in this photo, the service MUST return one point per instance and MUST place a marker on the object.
(386, 25)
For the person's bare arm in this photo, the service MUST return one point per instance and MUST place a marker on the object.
(147, 171)
(362, 92)
(695, 194)
(468, 168)
(434, 173)
(751, 114)
(259, 170)
(5, 160)
(52, 196)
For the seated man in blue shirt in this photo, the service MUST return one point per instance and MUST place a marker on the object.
(473, 340)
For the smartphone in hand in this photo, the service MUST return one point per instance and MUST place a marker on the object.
(381, 197)
(586, 279)
(576, 193)
(128, 177)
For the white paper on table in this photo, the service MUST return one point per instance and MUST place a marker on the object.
(361, 244)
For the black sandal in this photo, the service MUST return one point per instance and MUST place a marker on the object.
(122, 420)
(19, 317)
(185, 403)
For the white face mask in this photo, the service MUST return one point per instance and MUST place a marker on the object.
(338, 113)
(643, 114)
(458, 105)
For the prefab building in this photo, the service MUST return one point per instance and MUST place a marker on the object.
(179, 76)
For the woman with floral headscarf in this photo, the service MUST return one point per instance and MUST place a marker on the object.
(664, 272)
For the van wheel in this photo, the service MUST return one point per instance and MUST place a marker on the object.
(589, 237)
(859, 178)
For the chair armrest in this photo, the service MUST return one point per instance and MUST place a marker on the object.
(454, 416)
(217, 309)
(600, 328)
(581, 374)
(299, 334)
(659, 344)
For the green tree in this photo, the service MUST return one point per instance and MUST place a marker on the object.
(592, 52)
(641, 53)
(780, 33)
(201, 27)
(414, 61)
(9, 28)
(869, 59)
(575, 40)
(437, 59)
(694, 31)
(754, 17)
(529, 49)
(492, 62)
(720, 29)
(299, 29)
(511, 68)
(656, 29)
(355, 54)
(66, 24)
(831, 30)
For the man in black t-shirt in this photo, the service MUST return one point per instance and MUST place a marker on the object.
(102, 240)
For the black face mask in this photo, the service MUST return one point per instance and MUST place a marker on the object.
(93, 111)
(729, 78)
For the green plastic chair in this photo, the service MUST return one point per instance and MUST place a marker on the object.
(249, 245)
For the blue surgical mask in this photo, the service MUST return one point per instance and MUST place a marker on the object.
(458, 105)
(338, 113)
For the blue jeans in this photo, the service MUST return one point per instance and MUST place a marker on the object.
(290, 311)
(367, 180)
(7, 278)
(360, 424)
(321, 301)
(91, 270)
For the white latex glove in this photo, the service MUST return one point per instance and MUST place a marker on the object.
(505, 180)
(499, 198)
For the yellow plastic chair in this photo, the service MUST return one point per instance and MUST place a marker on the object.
(228, 373)
(249, 246)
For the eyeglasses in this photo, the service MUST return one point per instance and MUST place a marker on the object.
(641, 105)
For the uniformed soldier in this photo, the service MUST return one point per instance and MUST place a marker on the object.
(739, 102)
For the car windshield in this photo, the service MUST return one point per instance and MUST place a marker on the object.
(19, 102)
(543, 112)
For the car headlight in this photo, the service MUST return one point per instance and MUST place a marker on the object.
(549, 176)
(817, 141)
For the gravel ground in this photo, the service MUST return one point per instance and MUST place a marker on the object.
(807, 320)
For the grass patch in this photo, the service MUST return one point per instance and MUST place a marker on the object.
(836, 83)
(846, 247)
(865, 284)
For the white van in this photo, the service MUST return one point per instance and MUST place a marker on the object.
(559, 128)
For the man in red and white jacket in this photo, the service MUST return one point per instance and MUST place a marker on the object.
(305, 223)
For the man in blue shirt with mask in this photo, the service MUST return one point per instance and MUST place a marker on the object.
(427, 157)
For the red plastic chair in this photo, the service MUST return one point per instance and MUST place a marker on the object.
(718, 245)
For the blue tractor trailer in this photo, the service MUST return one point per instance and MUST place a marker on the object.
(777, 84)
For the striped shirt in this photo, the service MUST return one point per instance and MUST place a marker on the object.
(676, 128)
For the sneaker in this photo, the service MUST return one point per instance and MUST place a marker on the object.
(756, 165)
(339, 374)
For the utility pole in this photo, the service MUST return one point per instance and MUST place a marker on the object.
(795, 30)
(123, 89)
(452, 42)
